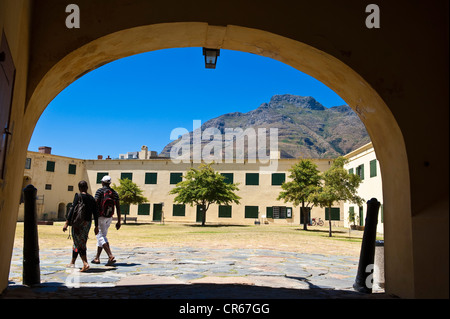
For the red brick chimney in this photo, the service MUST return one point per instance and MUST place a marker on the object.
(45, 149)
(99, 157)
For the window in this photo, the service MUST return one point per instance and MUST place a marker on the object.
(373, 168)
(151, 178)
(175, 178)
(72, 169)
(251, 211)
(278, 178)
(360, 171)
(351, 212)
(50, 166)
(48, 186)
(228, 177)
(143, 209)
(224, 211)
(281, 212)
(126, 175)
(335, 213)
(28, 163)
(350, 171)
(70, 188)
(252, 179)
(179, 210)
(100, 176)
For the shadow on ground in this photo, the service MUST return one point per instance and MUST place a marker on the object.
(192, 291)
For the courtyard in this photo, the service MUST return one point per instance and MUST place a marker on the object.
(188, 261)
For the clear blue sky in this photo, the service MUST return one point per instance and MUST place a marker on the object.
(140, 99)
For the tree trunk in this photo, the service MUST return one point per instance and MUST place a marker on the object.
(329, 221)
(203, 215)
(304, 213)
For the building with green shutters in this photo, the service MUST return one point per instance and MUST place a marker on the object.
(363, 162)
(56, 179)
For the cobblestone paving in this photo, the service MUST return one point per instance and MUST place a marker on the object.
(185, 272)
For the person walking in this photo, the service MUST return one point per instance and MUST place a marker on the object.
(107, 199)
(80, 231)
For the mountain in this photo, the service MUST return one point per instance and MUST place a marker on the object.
(306, 129)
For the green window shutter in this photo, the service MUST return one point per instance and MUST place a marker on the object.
(179, 210)
(252, 179)
(124, 209)
(100, 176)
(373, 168)
(361, 216)
(50, 166)
(143, 209)
(225, 211)
(269, 212)
(350, 171)
(251, 211)
(228, 177)
(151, 178)
(126, 175)
(175, 178)
(335, 213)
(72, 169)
(278, 178)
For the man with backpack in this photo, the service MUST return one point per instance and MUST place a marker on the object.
(106, 198)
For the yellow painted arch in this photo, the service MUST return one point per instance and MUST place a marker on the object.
(381, 125)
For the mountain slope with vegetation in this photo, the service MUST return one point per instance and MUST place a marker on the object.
(306, 129)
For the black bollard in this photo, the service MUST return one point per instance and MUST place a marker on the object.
(363, 282)
(31, 271)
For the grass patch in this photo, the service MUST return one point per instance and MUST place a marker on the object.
(279, 237)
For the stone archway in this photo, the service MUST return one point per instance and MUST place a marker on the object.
(383, 129)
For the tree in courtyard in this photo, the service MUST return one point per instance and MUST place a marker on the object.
(204, 187)
(129, 193)
(338, 184)
(305, 182)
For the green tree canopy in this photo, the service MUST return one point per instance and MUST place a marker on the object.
(203, 187)
(338, 185)
(129, 193)
(305, 182)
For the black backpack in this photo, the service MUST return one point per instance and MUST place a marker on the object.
(79, 213)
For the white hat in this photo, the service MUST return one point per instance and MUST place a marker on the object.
(106, 179)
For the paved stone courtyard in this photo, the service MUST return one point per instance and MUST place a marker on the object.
(192, 273)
